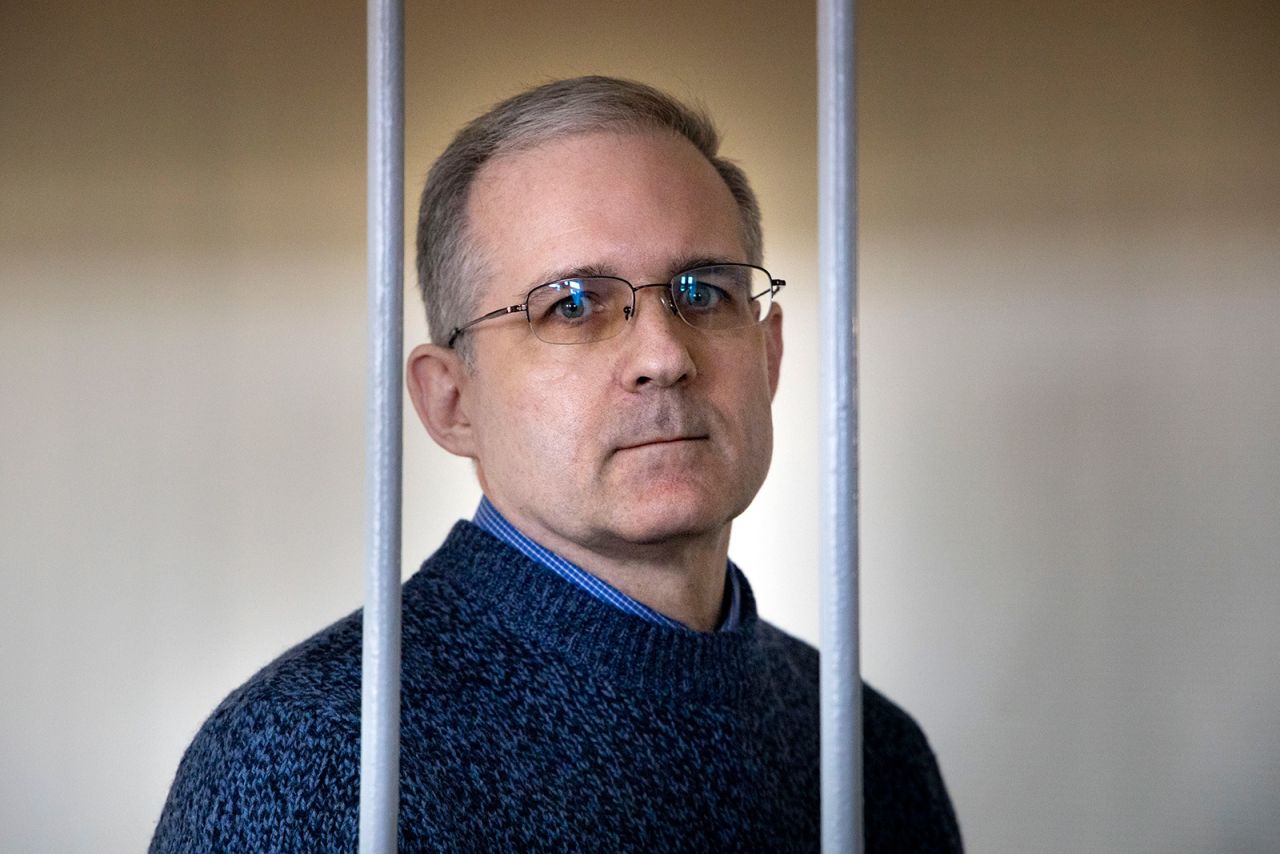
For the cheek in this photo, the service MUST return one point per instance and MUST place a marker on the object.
(759, 427)
(539, 432)
(746, 399)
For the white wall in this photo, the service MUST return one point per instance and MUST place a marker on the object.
(1070, 344)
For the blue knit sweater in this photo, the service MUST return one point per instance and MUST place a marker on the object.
(537, 718)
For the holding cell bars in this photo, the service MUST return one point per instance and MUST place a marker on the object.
(593, 305)
(380, 679)
(842, 797)
(841, 694)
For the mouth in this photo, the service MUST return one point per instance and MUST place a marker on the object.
(661, 441)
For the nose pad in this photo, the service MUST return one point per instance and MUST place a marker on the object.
(669, 301)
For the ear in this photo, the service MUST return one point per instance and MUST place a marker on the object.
(437, 384)
(773, 346)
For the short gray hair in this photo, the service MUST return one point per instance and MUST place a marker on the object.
(448, 261)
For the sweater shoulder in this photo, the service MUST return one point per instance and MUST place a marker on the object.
(895, 731)
(907, 804)
(276, 765)
(278, 760)
(318, 680)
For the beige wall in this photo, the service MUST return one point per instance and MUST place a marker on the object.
(1070, 345)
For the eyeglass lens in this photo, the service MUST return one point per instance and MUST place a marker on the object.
(593, 308)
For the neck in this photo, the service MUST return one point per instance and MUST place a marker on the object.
(682, 578)
(684, 581)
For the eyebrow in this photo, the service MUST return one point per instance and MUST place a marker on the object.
(687, 262)
(575, 272)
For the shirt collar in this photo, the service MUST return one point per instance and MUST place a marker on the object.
(488, 519)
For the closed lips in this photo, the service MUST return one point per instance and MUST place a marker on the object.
(666, 440)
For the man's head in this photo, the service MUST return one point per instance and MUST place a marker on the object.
(449, 264)
(660, 434)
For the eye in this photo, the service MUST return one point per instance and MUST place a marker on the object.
(573, 301)
(697, 294)
(577, 311)
(573, 307)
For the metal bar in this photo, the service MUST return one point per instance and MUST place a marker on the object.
(842, 796)
(380, 679)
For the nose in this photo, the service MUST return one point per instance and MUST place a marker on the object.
(656, 345)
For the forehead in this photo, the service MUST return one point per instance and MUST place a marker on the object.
(632, 202)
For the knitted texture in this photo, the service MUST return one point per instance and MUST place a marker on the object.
(535, 717)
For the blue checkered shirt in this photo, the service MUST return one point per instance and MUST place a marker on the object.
(488, 519)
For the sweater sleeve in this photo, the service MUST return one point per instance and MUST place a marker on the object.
(264, 775)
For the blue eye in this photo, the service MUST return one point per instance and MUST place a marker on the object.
(696, 295)
(576, 311)
(569, 301)
(575, 302)
(572, 307)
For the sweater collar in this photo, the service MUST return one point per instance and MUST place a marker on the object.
(490, 520)
(513, 593)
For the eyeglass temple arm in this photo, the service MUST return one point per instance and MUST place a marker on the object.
(497, 312)
(775, 285)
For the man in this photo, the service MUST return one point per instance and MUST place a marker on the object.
(583, 667)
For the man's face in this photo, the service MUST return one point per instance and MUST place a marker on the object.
(658, 434)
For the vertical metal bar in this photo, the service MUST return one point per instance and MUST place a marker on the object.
(841, 681)
(380, 680)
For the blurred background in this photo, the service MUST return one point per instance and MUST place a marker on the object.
(1070, 338)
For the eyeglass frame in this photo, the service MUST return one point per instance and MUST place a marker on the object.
(775, 285)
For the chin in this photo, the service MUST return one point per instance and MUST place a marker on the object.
(675, 515)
